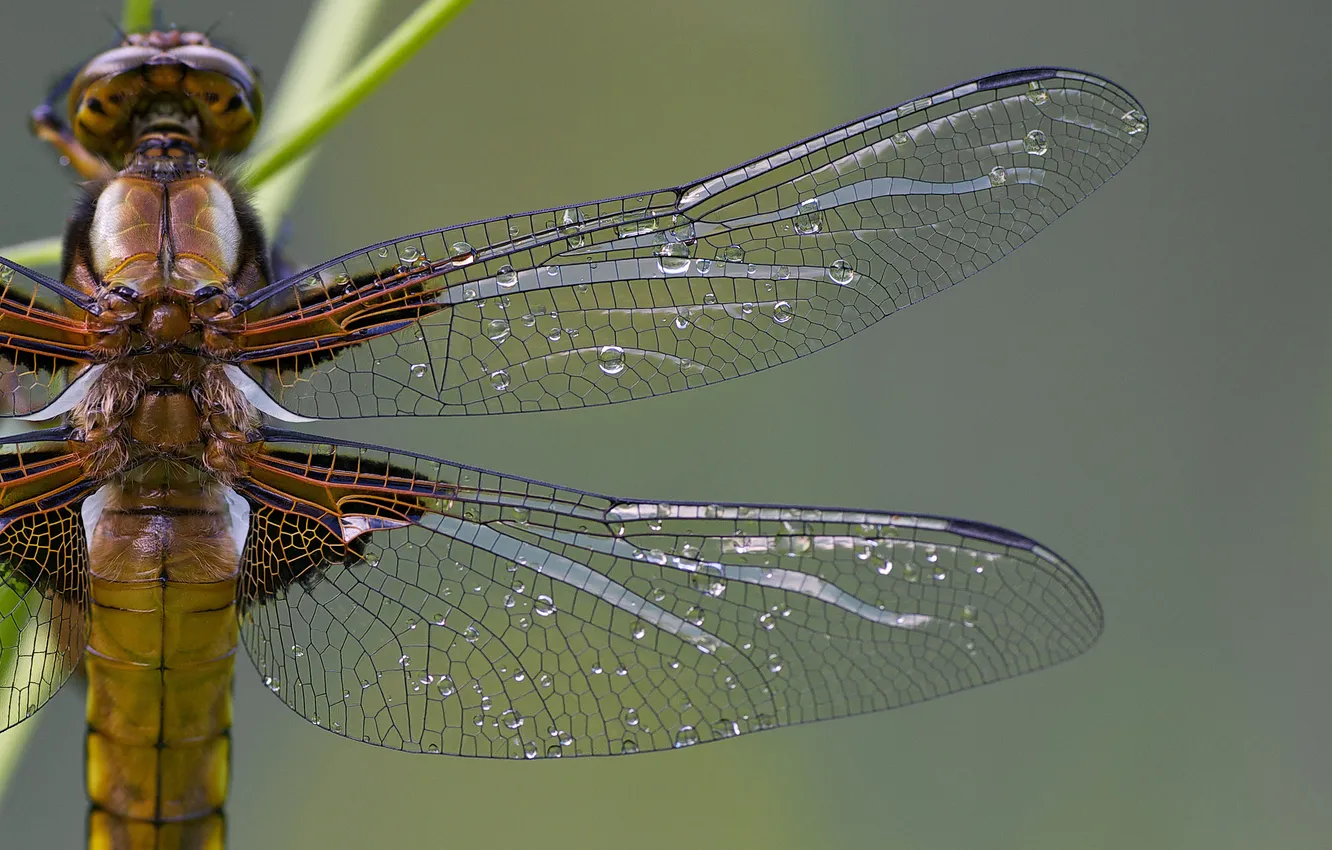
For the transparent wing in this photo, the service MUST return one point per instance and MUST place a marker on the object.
(479, 614)
(43, 573)
(653, 293)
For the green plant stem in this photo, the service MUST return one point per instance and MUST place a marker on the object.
(368, 75)
(37, 252)
(137, 16)
(328, 44)
(12, 745)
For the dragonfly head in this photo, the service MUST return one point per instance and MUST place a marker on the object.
(165, 83)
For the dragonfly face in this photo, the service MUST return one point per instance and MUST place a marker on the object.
(415, 603)
(165, 83)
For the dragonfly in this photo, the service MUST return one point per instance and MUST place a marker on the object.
(167, 509)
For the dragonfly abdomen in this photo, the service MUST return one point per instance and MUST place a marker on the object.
(164, 547)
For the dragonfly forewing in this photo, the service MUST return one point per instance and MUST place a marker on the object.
(653, 293)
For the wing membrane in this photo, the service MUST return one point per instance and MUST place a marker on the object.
(653, 293)
(43, 572)
(441, 608)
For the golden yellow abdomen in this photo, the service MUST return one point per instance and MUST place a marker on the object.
(160, 656)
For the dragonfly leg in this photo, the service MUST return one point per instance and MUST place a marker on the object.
(47, 127)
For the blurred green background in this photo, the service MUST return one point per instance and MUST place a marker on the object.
(1145, 389)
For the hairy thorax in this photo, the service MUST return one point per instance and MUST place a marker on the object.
(165, 249)
(168, 406)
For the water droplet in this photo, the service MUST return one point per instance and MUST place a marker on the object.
(774, 662)
(635, 228)
(841, 273)
(434, 748)
(544, 680)
(1135, 122)
(631, 717)
(610, 359)
(1035, 143)
(463, 253)
(782, 312)
(969, 615)
(419, 370)
(998, 176)
(703, 266)
(530, 750)
(408, 253)
(900, 138)
(545, 606)
(383, 252)
(731, 254)
(1037, 95)
(499, 380)
(506, 277)
(673, 258)
(514, 230)
(809, 219)
(686, 737)
(639, 632)
(885, 568)
(511, 718)
(767, 621)
(497, 330)
(709, 298)
(628, 746)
